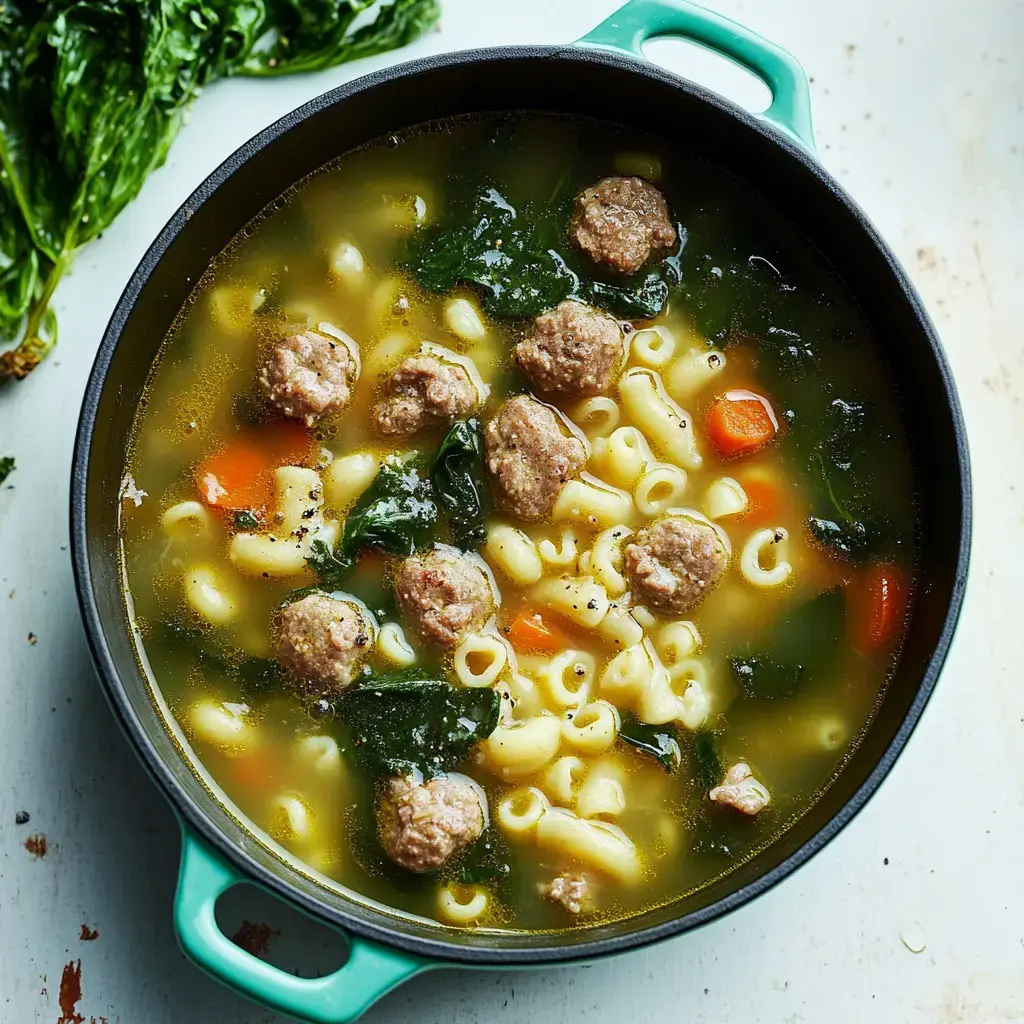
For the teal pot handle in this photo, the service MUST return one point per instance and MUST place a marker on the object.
(642, 20)
(370, 972)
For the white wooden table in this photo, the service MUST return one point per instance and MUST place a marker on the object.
(919, 107)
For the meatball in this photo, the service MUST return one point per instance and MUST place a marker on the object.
(739, 789)
(423, 392)
(674, 563)
(529, 457)
(308, 376)
(422, 825)
(569, 891)
(619, 221)
(321, 643)
(573, 348)
(443, 595)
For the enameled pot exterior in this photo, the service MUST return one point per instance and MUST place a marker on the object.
(604, 78)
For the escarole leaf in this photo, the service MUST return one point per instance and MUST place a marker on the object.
(92, 94)
(799, 647)
(458, 479)
(399, 723)
(308, 35)
(520, 265)
(396, 514)
(656, 741)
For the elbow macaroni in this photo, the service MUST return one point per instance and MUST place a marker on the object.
(592, 729)
(601, 795)
(479, 659)
(597, 417)
(601, 846)
(578, 598)
(463, 320)
(463, 905)
(653, 347)
(347, 478)
(766, 542)
(562, 778)
(562, 556)
(187, 519)
(209, 597)
(592, 501)
(660, 487)
(519, 812)
(514, 553)
(664, 424)
(567, 677)
(725, 497)
(622, 456)
(523, 748)
(693, 372)
(393, 647)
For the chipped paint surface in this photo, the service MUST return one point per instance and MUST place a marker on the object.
(919, 111)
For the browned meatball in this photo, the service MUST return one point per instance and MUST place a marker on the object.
(674, 563)
(421, 826)
(423, 392)
(321, 643)
(573, 348)
(529, 457)
(308, 376)
(620, 221)
(443, 595)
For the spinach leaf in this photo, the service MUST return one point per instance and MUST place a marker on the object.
(246, 519)
(400, 724)
(396, 513)
(705, 759)
(257, 675)
(331, 568)
(458, 479)
(484, 863)
(760, 675)
(847, 537)
(490, 245)
(801, 645)
(310, 35)
(850, 528)
(657, 741)
(520, 263)
(92, 94)
(6, 467)
(642, 301)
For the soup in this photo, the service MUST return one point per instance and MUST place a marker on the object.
(519, 523)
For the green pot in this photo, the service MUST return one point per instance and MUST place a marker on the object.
(605, 75)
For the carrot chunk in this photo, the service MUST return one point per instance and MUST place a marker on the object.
(240, 475)
(766, 496)
(529, 632)
(740, 422)
(878, 601)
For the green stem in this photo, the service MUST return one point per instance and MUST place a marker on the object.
(36, 343)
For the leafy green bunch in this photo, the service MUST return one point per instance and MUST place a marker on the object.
(92, 94)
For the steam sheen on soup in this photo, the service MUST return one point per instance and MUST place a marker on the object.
(519, 524)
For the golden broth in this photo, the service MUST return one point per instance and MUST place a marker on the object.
(201, 396)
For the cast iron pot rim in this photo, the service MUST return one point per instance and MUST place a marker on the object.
(195, 816)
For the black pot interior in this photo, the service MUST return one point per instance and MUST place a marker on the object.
(571, 82)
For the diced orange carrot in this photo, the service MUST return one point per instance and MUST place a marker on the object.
(766, 498)
(255, 769)
(877, 606)
(530, 632)
(740, 422)
(240, 475)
